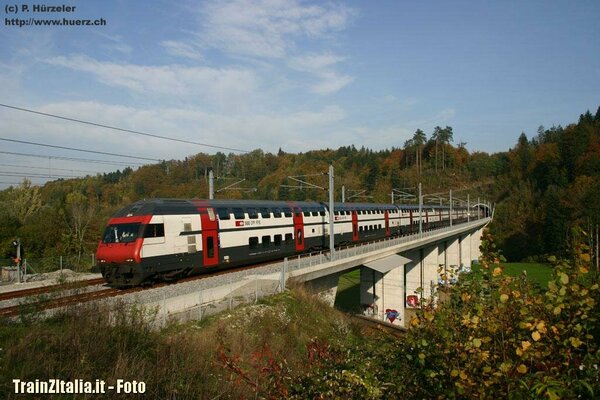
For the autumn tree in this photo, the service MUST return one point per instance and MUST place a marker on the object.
(77, 213)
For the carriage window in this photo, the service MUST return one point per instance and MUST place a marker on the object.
(322, 213)
(238, 213)
(266, 241)
(154, 230)
(223, 213)
(336, 212)
(253, 242)
(277, 240)
(287, 212)
(265, 212)
(210, 247)
(289, 238)
(276, 213)
(307, 213)
(252, 214)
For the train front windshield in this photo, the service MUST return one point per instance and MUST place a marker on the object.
(121, 233)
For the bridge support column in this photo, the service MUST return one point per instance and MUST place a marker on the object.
(453, 257)
(325, 287)
(422, 274)
(475, 243)
(381, 291)
(431, 274)
(465, 251)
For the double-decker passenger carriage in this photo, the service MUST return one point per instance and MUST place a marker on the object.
(164, 239)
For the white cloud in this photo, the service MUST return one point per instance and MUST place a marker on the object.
(181, 49)
(268, 28)
(251, 131)
(321, 66)
(223, 85)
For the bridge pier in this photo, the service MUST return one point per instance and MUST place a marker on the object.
(325, 287)
(475, 243)
(382, 288)
(421, 275)
(465, 250)
(453, 254)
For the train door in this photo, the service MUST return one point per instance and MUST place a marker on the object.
(298, 229)
(210, 237)
(354, 226)
(387, 223)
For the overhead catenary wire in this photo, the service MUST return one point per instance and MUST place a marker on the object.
(123, 129)
(33, 175)
(76, 149)
(48, 168)
(90, 160)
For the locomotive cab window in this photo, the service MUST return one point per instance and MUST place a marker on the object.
(121, 233)
(154, 230)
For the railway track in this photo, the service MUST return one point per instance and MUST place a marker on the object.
(55, 299)
(378, 325)
(50, 289)
(78, 298)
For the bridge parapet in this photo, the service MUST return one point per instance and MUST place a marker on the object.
(318, 264)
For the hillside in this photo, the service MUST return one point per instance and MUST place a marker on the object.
(542, 187)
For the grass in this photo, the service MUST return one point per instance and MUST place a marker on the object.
(536, 272)
(236, 354)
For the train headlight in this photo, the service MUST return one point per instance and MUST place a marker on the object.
(129, 260)
(101, 261)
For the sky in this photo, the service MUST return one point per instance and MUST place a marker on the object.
(289, 74)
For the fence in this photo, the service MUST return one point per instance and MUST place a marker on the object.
(30, 268)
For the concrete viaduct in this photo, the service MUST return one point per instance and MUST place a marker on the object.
(395, 273)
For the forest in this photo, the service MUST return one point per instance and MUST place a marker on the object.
(542, 188)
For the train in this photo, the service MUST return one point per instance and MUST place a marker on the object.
(167, 239)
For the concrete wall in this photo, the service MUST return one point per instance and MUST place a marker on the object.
(381, 292)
